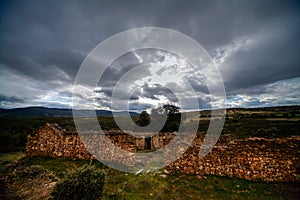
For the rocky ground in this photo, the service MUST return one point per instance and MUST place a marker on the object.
(26, 182)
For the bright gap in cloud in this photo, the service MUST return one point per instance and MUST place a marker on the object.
(285, 92)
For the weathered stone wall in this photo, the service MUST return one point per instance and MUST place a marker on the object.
(54, 141)
(252, 159)
(160, 140)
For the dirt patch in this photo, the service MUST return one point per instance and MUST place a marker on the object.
(33, 182)
(37, 188)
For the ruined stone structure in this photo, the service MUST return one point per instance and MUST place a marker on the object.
(53, 141)
(252, 159)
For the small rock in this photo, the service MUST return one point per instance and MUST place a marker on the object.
(163, 175)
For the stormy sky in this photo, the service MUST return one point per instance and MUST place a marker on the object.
(254, 44)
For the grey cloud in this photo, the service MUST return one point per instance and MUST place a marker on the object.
(47, 41)
(10, 99)
(139, 106)
(157, 89)
(134, 97)
(267, 61)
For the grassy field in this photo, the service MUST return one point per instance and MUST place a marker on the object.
(11, 157)
(158, 185)
(240, 123)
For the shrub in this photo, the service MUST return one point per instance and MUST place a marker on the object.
(84, 183)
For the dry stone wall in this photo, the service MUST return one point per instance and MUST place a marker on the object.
(53, 141)
(252, 159)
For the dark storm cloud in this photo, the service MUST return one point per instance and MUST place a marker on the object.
(255, 43)
(139, 106)
(10, 99)
(117, 69)
(272, 57)
(157, 89)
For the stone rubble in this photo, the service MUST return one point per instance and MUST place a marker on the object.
(252, 159)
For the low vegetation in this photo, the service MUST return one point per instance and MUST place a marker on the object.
(241, 123)
(121, 185)
(85, 182)
(45, 178)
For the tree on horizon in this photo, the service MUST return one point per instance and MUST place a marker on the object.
(144, 119)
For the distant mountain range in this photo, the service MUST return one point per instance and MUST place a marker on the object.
(35, 112)
(31, 112)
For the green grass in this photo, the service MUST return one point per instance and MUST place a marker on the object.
(59, 166)
(11, 157)
(14, 131)
(153, 186)
(121, 185)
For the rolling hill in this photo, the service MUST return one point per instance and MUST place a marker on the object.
(33, 112)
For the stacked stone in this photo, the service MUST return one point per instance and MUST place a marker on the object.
(53, 141)
(267, 160)
(252, 158)
(125, 141)
(160, 140)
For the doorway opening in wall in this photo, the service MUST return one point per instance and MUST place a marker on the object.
(148, 143)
